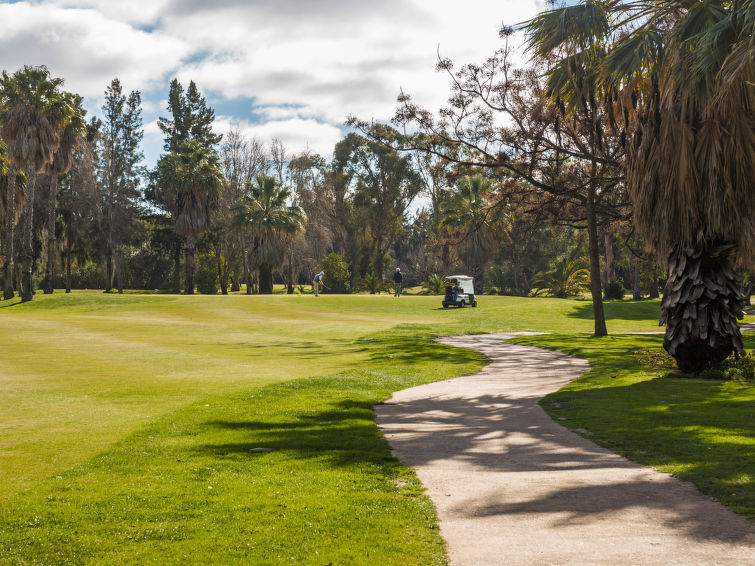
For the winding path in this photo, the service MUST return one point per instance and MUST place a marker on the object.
(512, 486)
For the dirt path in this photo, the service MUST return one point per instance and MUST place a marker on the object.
(513, 487)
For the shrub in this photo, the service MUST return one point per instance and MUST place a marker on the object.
(710, 373)
(335, 273)
(435, 285)
(744, 364)
(734, 374)
(206, 275)
(614, 290)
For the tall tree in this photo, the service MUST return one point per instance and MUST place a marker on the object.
(189, 179)
(120, 173)
(32, 113)
(190, 120)
(72, 135)
(681, 75)
(477, 224)
(270, 217)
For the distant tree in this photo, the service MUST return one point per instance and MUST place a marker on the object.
(32, 113)
(190, 180)
(335, 270)
(476, 223)
(269, 217)
(191, 120)
(120, 174)
(73, 134)
(681, 76)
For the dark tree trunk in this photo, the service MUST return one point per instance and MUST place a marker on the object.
(109, 271)
(654, 288)
(68, 271)
(27, 247)
(595, 288)
(247, 271)
(702, 301)
(189, 265)
(10, 223)
(636, 290)
(51, 209)
(222, 277)
(266, 280)
(290, 287)
(235, 284)
(118, 270)
(177, 269)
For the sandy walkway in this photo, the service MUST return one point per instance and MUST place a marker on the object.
(513, 487)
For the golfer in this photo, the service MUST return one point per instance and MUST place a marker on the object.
(317, 282)
(398, 278)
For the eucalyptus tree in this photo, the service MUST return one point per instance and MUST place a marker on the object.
(679, 77)
(476, 222)
(73, 133)
(498, 118)
(120, 174)
(32, 114)
(269, 216)
(190, 181)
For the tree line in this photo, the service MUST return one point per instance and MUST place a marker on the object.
(621, 156)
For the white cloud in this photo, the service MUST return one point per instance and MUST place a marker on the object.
(295, 133)
(85, 47)
(305, 64)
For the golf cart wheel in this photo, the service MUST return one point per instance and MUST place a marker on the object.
(445, 305)
(462, 304)
(474, 304)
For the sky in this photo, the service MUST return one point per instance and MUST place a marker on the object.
(287, 69)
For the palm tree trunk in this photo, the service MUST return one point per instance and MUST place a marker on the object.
(189, 265)
(702, 301)
(290, 290)
(266, 280)
(595, 288)
(109, 269)
(610, 260)
(51, 208)
(247, 271)
(177, 269)
(10, 223)
(27, 247)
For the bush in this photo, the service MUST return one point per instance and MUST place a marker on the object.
(206, 275)
(734, 374)
(745, 365)
(710, 373)
(614, 290)
(336, 273)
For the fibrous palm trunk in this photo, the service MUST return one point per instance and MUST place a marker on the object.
(10, 223)
(27, 246)
(701, 303)
(266, 279)
(189, 265)
(51, 210)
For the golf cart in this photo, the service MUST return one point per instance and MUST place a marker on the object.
(460, 292)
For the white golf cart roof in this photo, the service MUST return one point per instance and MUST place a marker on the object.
(466, 283)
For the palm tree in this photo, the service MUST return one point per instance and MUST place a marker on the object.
(566, 278)
(475, 222)
(435, 284)
(189, 182)
(71, 136)
(372, 284)
(680, 76)
(31, 116)
(269, 217)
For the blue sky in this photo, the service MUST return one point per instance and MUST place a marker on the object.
(290, 69)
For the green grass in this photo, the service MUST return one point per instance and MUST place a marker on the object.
(130, 424)
(699, 430)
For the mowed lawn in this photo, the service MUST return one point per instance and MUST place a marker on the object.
(171, 429)
(80, 371)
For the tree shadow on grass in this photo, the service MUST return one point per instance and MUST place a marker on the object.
(620, 310)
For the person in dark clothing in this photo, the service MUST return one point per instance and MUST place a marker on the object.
(398, 278)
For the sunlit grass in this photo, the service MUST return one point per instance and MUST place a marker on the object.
(700, 430)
